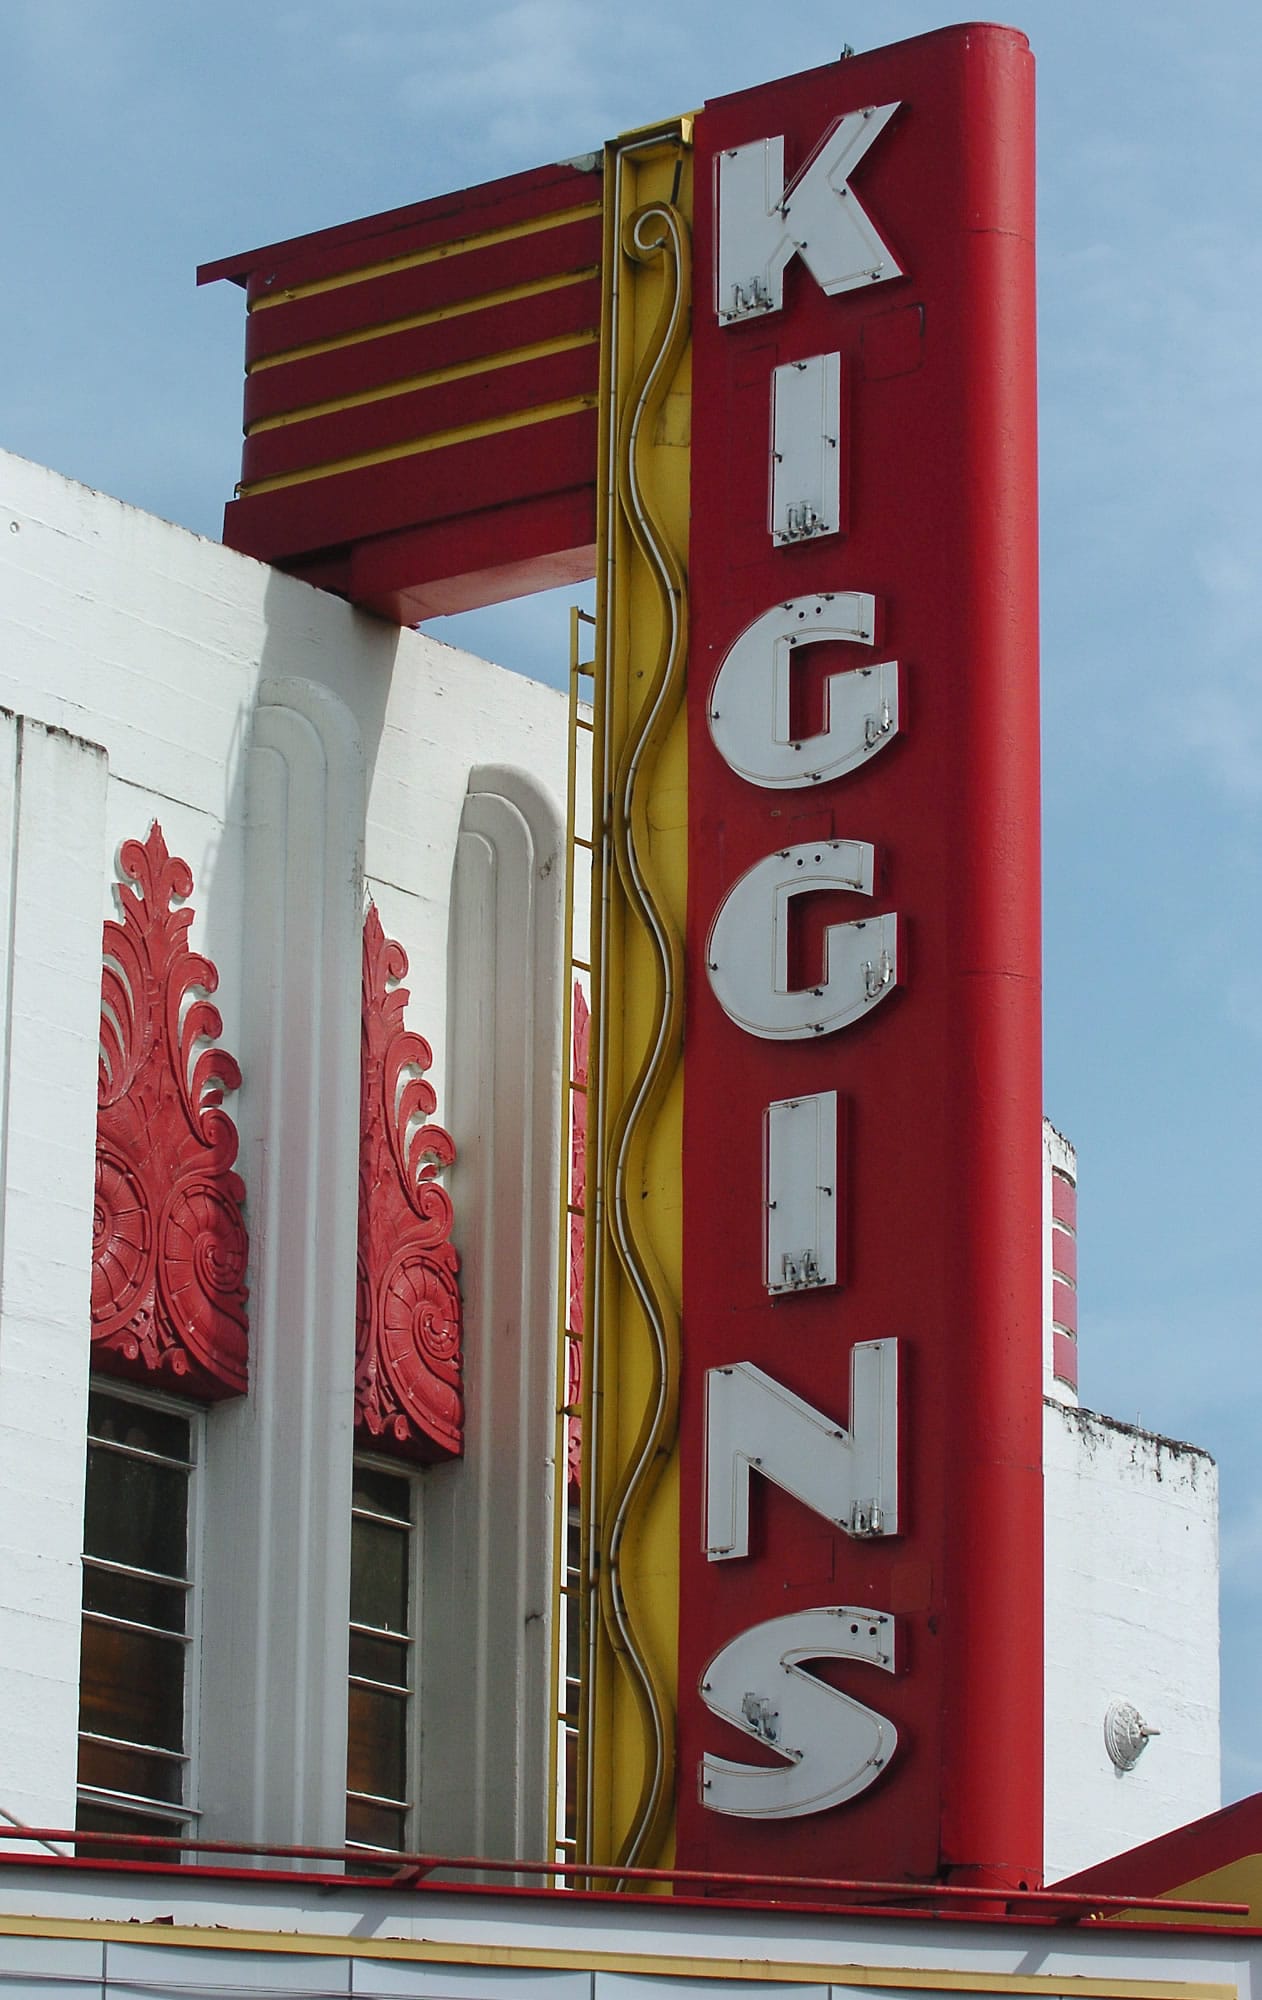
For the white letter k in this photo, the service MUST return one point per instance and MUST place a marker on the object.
(762, 224)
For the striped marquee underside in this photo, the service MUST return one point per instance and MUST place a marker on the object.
(420, 397)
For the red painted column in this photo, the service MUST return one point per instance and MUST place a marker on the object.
(939, 1086)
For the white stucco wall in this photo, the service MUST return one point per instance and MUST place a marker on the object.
(52, 818)
(1131, 1551)
(294, 749)
(126, 631)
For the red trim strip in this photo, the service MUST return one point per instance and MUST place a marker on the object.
(418, 350)
(423, 413)
(415, 1869)
(441, 219)
(423, 288)
(1064, 1201)
(1065, 1255)
(477, 559)
(1065, 1358)
(320, 514)
(1064, 1306)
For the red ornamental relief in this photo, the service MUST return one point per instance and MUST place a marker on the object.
(169, 1242)
(408, 1319)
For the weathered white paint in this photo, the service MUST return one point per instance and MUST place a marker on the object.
(184, 1936)
(486, 1614)
(275, 1625)
(290, 747)
(1131, 1539)
(52, 824)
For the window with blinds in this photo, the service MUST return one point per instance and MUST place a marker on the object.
(138, 1604)
(379, 1790)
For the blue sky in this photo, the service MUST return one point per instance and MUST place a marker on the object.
(144, 136)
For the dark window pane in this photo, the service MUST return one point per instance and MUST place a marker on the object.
(375, 1826)
(382, 1552)
(122, 1596)
(131, 1684)
(137, 1425)
(571, 1784)
(93, 1818)
(379, 1575)
(382, 1493)
(136, 1512)
(376, 1758)
(145, 1777)
(380, 1659)
(572, 1639)
(573, 1600)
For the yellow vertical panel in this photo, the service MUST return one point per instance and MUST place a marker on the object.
(631, 1506)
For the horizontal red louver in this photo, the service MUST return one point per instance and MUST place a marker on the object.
(420, 400)
(1064, 1279)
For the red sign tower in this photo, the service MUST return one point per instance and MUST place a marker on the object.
(908, 1036)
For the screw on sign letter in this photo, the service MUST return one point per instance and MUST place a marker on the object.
(750, 702)
(169, 1248)
(836, 1746)
(408, 1319)
(763, 225)
(850, 1477)
(748, 953)
(806, 450)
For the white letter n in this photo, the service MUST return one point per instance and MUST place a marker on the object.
(754, 1423)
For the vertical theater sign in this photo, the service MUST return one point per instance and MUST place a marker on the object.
(788, 399)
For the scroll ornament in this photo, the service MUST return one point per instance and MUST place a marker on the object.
(408, 1318)
(170, 1247)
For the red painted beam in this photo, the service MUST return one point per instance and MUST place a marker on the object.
(444, 218)
(422, 288)
(301, 521)
(477, 559)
